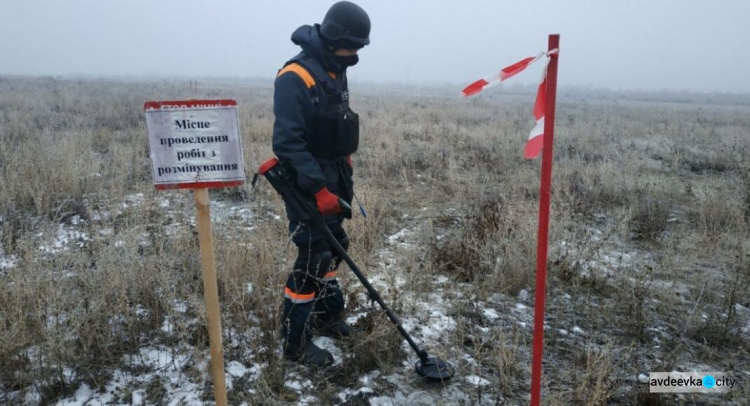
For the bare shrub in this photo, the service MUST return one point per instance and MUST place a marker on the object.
(492, 246)
(376, 346)
(593, 188)
(715, 214)
(705, 161)
(649, 216)
(365, 233)
(723, 327)
(596, 382)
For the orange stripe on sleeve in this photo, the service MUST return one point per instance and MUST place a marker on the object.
(301, 72)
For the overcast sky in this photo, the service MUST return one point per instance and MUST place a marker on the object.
(696, 45)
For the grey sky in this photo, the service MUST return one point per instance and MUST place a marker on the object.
(695, 45)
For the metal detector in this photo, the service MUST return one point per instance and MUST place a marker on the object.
(432, 368)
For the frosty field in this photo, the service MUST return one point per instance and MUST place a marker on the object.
(101, 296)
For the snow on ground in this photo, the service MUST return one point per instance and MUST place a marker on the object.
(329, 345)
(232, 213)
(490, 313)
(429, 321)
(71, 234)
(477, 380)
(604, 255)
(153, 367)
(165, 365)
(63, 237)
(744, 311)
(8, 262)
(400, 238)
(297, 383)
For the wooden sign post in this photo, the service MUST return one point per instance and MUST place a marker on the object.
(195, 144)
(211, 293)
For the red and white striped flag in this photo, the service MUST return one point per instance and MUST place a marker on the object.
(495, 78)
(536, 136)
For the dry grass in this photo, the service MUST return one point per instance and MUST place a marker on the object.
(650, 199)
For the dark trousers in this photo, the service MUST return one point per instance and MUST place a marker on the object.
(312, 293)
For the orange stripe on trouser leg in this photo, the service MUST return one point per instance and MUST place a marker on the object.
(298, 297)
(329, 276)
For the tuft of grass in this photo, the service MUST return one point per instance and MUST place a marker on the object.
(597, 380)
(375, 346)
(649, 217)
(492, 245)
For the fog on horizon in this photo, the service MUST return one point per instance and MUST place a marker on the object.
(635, 45)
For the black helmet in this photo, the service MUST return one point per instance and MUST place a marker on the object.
(346, 25)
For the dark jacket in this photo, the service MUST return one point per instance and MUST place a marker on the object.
(314, 130)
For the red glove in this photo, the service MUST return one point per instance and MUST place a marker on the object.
(328, 203)
(349, 160)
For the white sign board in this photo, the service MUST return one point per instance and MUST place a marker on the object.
(194, 143)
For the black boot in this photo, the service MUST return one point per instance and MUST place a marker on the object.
(336, 329)
(328, 312)
(298, 345)
(310, 355)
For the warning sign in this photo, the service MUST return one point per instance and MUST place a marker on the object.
(194, 143)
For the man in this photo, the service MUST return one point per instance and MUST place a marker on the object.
(314, 134)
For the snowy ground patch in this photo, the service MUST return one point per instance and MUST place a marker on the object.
(165, 381)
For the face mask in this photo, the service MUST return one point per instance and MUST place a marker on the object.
(346, 61)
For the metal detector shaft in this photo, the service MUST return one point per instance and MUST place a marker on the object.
(278, 180)
(318, 221)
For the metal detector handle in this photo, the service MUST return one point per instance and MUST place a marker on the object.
(279, 179)
(346, 210)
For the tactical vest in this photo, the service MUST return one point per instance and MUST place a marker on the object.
(335, 128)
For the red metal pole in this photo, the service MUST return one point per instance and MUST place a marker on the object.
(543, 239)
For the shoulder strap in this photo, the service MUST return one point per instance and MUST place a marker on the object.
(318, 72)
(300, 71)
